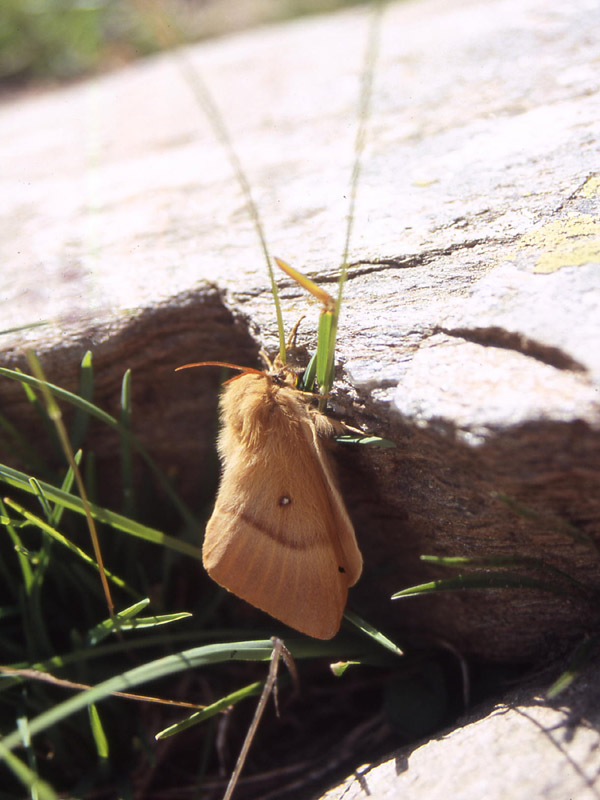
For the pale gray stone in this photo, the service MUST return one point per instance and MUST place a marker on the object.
(520, 748)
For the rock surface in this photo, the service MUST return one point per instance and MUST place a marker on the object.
(517, 749)
(470, 325)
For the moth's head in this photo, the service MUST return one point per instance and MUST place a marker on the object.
(283, 376)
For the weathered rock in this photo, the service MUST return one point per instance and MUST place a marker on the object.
(520, 748)
(470, 326)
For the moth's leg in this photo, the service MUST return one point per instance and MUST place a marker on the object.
(328, 427)
(291, 342)
(267, 360)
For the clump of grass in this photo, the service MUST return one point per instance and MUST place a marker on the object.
(88, 694)
(58, 40)
(521, 572)
(62, 39)
(74, 663)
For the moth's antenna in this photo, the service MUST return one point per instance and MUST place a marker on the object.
(169, 36)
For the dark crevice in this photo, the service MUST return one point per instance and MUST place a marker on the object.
(494, 336)
(410, 261)
(576, 194)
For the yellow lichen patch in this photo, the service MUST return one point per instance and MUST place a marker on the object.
(424, 181)
(591, 187)
(571, 241)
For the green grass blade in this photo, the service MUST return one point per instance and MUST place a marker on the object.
(7, 572)
(168, 35)
(112, 624)
(548, 521)
(326, 352)
(22, 559)
(372, 632)
(364, 113)
(98, 734)
(153, 670)
(58, 537)
(21, 481)
(126, 449)
(214, 708)
(90, 477)
(307, 383)
(65, 486)
(28, 385)
(340, 667)
(37, 787)
(364, 109)
(300, 648)
(483, 580)
(492, 562)
(37, 490)
(29, 381)
(366, 439)
(81, 417)
(259, 650)
(33, 611)
(126, 623)
(141, 623)
(581, 657)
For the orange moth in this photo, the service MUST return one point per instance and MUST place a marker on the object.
(280, 536)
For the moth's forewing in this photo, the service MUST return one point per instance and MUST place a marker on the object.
(279, 537)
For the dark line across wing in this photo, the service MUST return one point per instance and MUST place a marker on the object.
(306, 544)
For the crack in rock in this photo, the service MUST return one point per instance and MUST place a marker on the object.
(494, 336)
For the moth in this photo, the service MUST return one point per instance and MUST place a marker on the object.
(280, 536)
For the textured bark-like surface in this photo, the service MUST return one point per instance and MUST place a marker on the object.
(174, 415)
(519, 748)
(470, 328)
